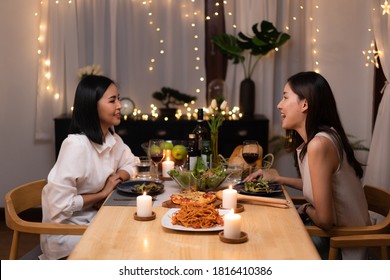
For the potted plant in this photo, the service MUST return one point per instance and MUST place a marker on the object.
(248, 50)
(171, 97)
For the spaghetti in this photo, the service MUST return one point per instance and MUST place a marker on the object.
(197, 215)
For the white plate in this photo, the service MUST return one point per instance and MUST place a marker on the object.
(166, 222)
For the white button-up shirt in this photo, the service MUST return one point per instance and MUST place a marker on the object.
(82, 167)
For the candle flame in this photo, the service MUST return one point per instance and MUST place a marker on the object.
(231, 212)
(146, 243)
(230, 187)
(144, 193)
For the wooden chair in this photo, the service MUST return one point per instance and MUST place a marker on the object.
(25, 197)
(378, 201)
(365, 240)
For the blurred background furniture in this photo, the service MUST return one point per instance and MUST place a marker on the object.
(23, 198)
(136, 132)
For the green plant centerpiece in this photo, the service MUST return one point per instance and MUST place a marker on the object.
(248, 50)
(170, 97)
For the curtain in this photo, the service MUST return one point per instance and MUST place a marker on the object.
(377, 170)
(142, 45)
(293, 17)
(145, 45)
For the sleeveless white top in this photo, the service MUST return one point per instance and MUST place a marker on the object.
(349, 202)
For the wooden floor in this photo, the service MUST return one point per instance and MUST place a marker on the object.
(26, 241)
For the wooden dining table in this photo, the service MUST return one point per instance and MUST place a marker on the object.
(273, 233)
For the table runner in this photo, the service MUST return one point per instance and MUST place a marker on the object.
(118, 199)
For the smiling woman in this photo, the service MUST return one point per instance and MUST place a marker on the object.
(109, 109)
(92, 161)
(162, 44)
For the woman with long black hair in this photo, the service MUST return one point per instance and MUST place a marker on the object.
(330, 174)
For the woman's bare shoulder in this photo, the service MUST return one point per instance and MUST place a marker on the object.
(321, 144)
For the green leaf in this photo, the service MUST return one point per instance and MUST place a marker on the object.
(199, 168)
(229, 47)
(264, 40)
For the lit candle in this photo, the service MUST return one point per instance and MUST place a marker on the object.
(144, 205)
(166, 166)
(232, 225)
(229, 198)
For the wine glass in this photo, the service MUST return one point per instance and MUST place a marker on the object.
(156, 154)
(250, 152)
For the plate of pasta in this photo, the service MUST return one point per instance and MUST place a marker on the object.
(192, 217)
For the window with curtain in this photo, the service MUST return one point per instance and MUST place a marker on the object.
(145, 45)
(379, 156)
(142, 45)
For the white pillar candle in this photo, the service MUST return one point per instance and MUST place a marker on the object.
(166, 166)
(229, 198)
(144, 205)
(232, 225)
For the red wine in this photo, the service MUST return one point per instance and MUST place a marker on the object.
(250, 157)
(180, 162)
(156, 158)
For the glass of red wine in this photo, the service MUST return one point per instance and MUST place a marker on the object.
(156, 154)
(250, 152)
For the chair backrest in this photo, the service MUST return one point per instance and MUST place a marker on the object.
(25, 197)
(22, 198)
(378, 200)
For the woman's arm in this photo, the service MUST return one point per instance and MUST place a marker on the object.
(323, 162)
(111, 183)
(126, 166)
(123, 174)
(295, 183)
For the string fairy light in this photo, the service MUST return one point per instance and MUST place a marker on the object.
(315, 41)
(46, 82)
(307, 13)
(190, 19)
(386, 8)
(371, 55)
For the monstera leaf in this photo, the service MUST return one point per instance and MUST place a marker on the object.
(229, 47)
(241, 48)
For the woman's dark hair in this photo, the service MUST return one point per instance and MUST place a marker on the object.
(322, 115)
(85, 117)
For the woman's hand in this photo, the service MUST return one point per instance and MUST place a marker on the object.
(302, 211)
(264, 173)
(111, 183)
(96, 199)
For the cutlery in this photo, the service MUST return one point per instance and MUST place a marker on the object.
(129, 199)
(268, 201)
